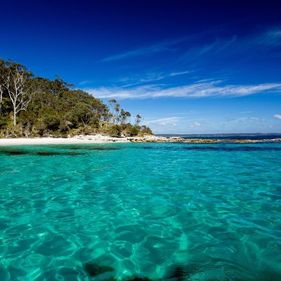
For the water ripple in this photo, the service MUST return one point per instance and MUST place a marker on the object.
(146, 212)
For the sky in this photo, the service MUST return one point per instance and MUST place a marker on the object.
(188, 67)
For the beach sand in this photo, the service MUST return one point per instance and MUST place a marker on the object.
(95, 139)
(91, 139)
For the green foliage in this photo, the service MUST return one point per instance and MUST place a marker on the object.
(57, 110)
(144, 130)
(115, 131)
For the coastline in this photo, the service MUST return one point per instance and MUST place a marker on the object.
(91, 139)
(102, 139)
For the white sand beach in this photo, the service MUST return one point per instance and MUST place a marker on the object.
(102, 139)
(82, 139)
(91, 139)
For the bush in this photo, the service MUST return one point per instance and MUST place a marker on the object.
(115, 131)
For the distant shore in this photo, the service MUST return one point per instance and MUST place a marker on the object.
(101, 139)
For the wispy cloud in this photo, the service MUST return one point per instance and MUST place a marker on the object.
(195, 124)
(84, 82)
(179, 73)
(196, 90)
(277, 116)
(167, 121)
(146, 50)
(150, 77)
(271, 37)
(217, 45)
(209, 124)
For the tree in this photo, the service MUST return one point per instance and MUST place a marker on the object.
(1, 96)
(16, 83)
(115, 111)
(112, 103)
(124, 115)
(138, 119)
(40, 107)
(2, 70)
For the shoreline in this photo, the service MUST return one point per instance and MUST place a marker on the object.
(101, 139)
(91, 139)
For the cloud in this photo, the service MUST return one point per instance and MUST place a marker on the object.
(220, 44)
(162, 46)
(271, 37)
(149, 77)
(199, 89)
(277, 116)
(137, 52)
(84, 82)
(148, 50)
(141, 79)
(167, 121)
(195, 125)
(211, 124)
(216, 48)
(179, 73)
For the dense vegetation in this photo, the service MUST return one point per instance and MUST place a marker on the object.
(35, 106)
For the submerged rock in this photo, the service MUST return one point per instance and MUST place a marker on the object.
(178, 274)
(11, 152)
(53, 153)
(94, 269)
(139, 279)
(18, 152)
(182, 272)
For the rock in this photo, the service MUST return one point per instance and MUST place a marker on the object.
(181, 273)
(139, 279)
(177, 139)
(178, 274)
(94, 269)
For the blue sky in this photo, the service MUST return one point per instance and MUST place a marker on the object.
(185, 66)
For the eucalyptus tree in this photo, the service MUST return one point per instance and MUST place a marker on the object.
(138, 119)
(115, 111)
(1, 96)
(40, 106)
(124, 115)
(16, 81)
(112, 103)
(2, 70)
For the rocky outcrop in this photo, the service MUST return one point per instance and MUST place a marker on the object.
(160, 139)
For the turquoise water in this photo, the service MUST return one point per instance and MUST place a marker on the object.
(160, 211)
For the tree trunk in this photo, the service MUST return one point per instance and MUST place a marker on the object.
(15, 118)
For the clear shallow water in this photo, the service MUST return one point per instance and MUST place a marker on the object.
(205, 212)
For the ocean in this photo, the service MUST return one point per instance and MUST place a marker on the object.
(143, 210)
(227, 136)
